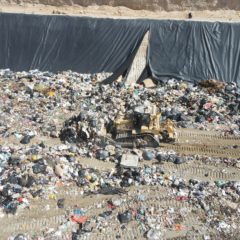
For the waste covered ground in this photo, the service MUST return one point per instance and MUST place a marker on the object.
(62, 173)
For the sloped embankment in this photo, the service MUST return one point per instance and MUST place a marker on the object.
(153, 5)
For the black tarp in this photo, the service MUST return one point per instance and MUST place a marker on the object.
(195, 51)
(57, 43)
(186, 50)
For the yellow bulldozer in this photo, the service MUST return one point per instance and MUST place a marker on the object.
(143, 128)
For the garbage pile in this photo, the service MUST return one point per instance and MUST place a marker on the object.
(31, 103)
(38, 109)
(216, 204)
(188, 105)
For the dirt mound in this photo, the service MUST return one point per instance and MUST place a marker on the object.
(153, 5)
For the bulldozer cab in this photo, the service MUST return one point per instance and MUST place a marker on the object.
(122, 123)
(147, 119)
(141, 119)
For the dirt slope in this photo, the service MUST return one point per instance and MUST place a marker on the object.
(153, 5)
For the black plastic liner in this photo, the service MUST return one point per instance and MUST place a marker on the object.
(195, 51)
(187, 50)
(58, 43)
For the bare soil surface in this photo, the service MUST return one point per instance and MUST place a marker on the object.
(43, 213)
(153, 5)
(179, 11)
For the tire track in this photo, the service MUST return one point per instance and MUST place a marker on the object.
(192, 133)
(157, 204)
(203, 150)
(29, 224)
(214, 173)
(156, 201)
(33, 224)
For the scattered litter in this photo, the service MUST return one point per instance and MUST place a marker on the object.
(51, 123)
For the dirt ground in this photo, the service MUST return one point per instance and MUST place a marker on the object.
(121, 12)
(43, 213)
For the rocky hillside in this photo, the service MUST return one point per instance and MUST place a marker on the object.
(153, 5)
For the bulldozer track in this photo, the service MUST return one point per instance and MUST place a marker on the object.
(203, 150)
(189, 141)
(157, 198)
(137, 232)
(206, 172)
(157, 204)
(192, 133)
(26, 224)
(33, 224)
(134, 233)
(128, 140)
